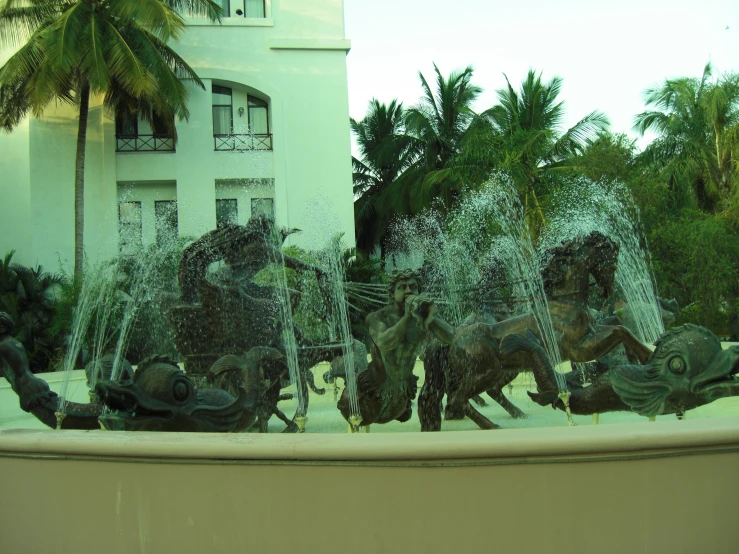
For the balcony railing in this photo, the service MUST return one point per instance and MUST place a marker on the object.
(144, 143)
(242, 143)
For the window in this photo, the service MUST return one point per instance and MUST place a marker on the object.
(126, 124)
(159, 127)
(258, 121)
(135, 136)
(262, 206)
(129, 226)
(255, 137)
(227, 212)
(226, 5)
(254, 8)
(222, 111)
(165, 213)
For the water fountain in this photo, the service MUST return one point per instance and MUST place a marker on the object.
(223, 310)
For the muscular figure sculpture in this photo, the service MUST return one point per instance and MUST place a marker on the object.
(387, 387)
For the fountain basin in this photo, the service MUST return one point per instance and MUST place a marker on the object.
(536, 485)
(668, 486)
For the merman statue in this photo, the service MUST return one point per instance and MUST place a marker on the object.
(387, 387)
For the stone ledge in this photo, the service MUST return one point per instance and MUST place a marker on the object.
(512, 446)
(309, 44)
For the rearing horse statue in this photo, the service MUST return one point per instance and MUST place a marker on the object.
(473, 363)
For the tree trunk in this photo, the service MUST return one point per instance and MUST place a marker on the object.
(79, 182)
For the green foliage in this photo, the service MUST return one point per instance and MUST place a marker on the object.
(608, 158)
(312, 314)
(29, 295)
(117, 49)
(695, 260)
(309, 318)
(685, 183)
(687, 187)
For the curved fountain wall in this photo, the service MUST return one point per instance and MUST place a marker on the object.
(665, 487)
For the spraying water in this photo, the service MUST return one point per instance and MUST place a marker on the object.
(584, 206)
(93, 283)
(335, 271)
(489, 224)
(285, 315)
(498, 204)
(448, 262)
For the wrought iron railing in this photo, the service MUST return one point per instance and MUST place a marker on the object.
(242, 142)
(144, 143)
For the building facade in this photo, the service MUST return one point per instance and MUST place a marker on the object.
(270, 134)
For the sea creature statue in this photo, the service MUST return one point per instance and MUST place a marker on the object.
(34, 393)
(474, 363)
(687, 369)
(161, 397)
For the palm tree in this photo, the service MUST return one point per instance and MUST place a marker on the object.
(70, 49)
(529, 123)
(697, 121)
(440, 122)
(386, 153)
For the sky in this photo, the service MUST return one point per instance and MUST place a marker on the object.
(607, 52)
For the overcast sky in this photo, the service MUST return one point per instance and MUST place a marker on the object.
(607, 52)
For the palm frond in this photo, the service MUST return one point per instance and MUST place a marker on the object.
(124, 65)
(157, 17)
(198, 8)
(18, 24)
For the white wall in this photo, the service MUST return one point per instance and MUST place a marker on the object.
(295, 59)
(15, 195)
(243, 191)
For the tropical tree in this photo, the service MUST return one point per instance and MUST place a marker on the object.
(697, 148)
(386, 152)
(68, 50)
(440, 121)
(693, 161)
(529, 122)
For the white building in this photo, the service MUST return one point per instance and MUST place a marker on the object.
(269, 133)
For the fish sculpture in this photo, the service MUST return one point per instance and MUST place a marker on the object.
(687, 369)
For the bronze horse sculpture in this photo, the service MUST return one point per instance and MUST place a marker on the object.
(474, 363)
